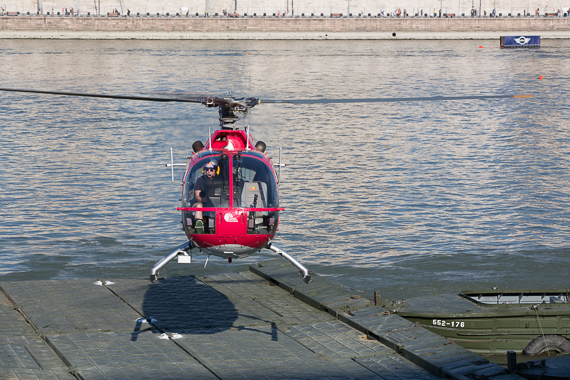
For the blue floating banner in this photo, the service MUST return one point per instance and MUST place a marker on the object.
(520, 41)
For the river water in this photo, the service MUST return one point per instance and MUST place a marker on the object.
(407, 198)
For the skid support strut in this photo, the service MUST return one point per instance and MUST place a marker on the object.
(304, 272)
(181, 249)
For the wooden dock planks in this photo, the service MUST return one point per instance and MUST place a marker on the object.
(262, 324)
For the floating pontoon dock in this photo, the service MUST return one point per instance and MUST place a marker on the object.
(265, 323)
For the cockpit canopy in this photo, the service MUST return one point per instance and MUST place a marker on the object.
(243, 180)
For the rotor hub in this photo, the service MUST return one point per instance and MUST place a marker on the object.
(229, 107)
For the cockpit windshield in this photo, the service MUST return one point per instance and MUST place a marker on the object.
(207, 184)
(253, 182)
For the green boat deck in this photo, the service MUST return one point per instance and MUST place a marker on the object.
(265, 323)
(488, 328)
(457, 306)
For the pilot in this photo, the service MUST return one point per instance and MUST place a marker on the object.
(201, 192)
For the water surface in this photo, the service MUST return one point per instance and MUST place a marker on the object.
(408, 198)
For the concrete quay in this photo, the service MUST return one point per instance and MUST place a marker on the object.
(259, 28)
(262, 324)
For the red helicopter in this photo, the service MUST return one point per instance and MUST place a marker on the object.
(230, 203)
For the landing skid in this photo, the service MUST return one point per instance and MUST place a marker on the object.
(184, 254)
(304, 272)
(180, 250)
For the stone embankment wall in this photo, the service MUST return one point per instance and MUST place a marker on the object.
(265, 25)
(288, 7)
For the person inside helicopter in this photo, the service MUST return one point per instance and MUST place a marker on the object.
(204, 186)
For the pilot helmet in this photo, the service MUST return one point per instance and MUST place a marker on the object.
(212, 164)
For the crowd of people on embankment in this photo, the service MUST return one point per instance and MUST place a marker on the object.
(474, 13)
(397, 13)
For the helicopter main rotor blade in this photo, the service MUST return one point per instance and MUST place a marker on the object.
(242, 103)
(393, 100)
(230, 103)
(127, 97)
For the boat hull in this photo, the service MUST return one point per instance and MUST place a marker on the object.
(491, 328)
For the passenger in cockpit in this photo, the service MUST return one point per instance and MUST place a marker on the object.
(201, 189)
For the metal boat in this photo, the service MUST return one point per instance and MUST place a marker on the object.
(494, 322)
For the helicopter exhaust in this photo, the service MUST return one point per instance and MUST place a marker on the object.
(260, 145)
(304, 272)
(197, 146)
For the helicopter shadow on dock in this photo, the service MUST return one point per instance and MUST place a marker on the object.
(186, 305)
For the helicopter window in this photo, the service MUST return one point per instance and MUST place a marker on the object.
(207, 184)
(254, 183)
(206, 188)
(262, 222)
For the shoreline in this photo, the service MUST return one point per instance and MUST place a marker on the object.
(251, 28)
(261, 36)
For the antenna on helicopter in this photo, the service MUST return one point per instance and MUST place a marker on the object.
(210, 139)
(172, 165)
